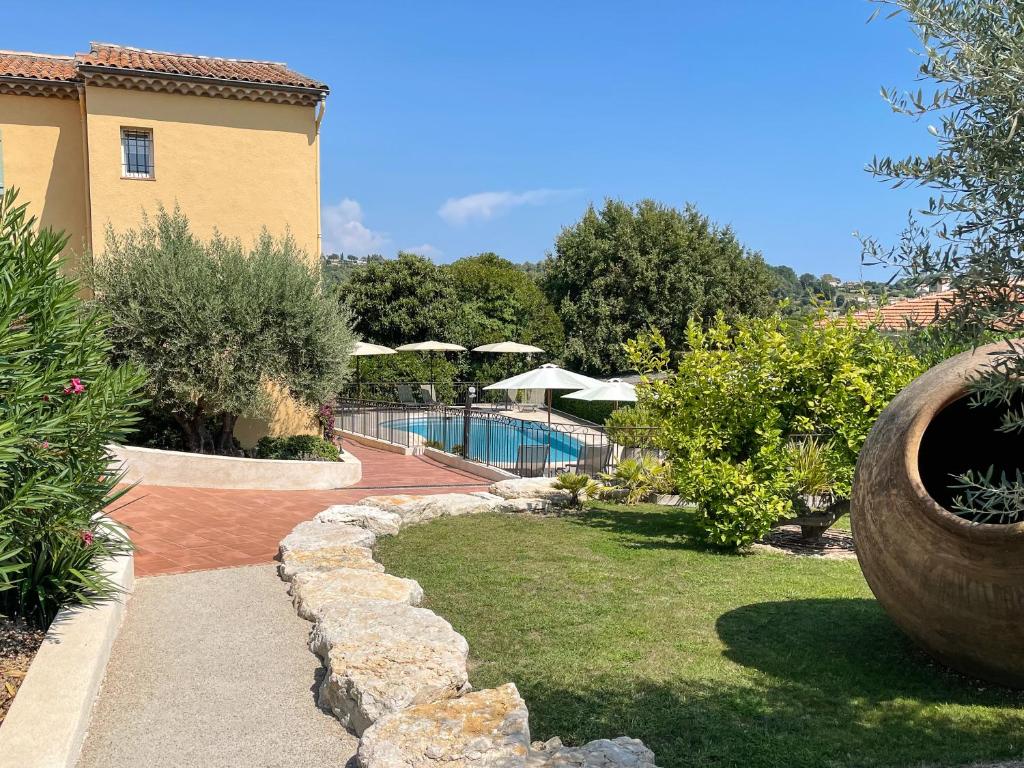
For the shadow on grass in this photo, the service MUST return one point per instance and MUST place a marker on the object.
(846, 645)
(821, 683)
(648, 526)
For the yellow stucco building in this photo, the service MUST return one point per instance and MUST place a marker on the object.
(93, 140)
(96, 139)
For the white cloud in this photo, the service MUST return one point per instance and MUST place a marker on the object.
(487, 205)
(426, 249)
(344, 231)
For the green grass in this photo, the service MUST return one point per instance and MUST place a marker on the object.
(614, 622)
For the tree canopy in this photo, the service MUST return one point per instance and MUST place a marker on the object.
(504, 303)
(625, 268)
(397, 301)
(475, 300)
(214, 324)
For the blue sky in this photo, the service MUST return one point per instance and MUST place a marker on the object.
(458, 127)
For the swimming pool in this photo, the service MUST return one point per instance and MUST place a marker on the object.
(492, 441)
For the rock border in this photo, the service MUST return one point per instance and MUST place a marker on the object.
(46, 725)
(197, 470)
(395, 674)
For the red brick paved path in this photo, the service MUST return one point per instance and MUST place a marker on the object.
(192, 529)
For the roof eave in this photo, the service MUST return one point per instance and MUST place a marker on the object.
(66, 88)
(320, 91)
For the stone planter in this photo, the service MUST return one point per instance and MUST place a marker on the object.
(816, 514)
(955, 587)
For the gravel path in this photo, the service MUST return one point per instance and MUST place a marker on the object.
(211, 669)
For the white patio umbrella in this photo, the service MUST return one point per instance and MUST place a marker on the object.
(508, 347)
(365, 349)
(613, 391)
(547, 377)
(429, 347)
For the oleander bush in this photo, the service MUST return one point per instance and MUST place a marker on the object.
(304, 447)
(743, 397)
(61, 403)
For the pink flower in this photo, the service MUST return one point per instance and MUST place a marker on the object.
(87, 537)
(45, 444)
(76, 387)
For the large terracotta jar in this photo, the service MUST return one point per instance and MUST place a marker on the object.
(956, 587)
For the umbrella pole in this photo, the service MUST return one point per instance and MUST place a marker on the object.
(359, 382)
(548, 463)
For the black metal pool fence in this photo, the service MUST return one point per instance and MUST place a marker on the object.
(510, 436)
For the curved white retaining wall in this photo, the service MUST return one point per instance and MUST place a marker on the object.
(198, 470)
(47, 722)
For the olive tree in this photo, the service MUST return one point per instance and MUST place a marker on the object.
(971, 90)
(215, 325)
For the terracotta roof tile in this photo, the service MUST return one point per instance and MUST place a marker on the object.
(920, 310)
(263, 72)
(37, 66)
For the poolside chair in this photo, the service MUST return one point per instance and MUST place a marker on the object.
(405, 395)
(593, 459)
(532, 400)
(426, 394)
(531, 460)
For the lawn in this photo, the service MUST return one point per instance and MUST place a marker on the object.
(615, 622)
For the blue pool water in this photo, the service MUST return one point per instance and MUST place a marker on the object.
(490, 440)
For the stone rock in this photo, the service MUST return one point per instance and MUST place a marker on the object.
(313, 590)
(296, 561)
(531, 488)
(382, 657)
(312, 535)
(483, 729)
(419, 509)
(380, 521)
(513, 506)
(622, 752)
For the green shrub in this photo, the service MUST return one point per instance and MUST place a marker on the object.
(641, 477)
(60, 405)
(729, 414)
(631, 426)
(216, 324)
(575, 484)
(304, 447)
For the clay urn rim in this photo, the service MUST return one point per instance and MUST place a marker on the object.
(935, 511)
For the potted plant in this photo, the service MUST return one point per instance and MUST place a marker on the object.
(814, 499)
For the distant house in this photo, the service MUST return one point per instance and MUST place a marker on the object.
(94, 139)
(903, 313)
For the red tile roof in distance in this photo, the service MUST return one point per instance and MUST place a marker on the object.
(37, 66)
(239, 70)
(895, 316)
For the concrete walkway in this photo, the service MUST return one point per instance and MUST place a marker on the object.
(211, 670)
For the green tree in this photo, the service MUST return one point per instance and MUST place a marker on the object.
(503, 303)
(627, 267)
(399, 301)
(215, 325)
(743, 395)
(61, 403)
(404, 300)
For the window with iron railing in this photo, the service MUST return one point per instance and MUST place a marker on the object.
(136, 153)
